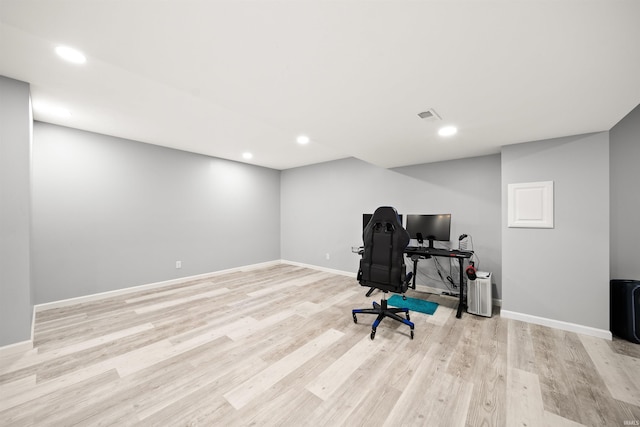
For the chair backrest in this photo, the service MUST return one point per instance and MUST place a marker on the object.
(382, 264)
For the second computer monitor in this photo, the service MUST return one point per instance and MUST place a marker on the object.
(429, 227)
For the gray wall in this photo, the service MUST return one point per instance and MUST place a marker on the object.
(560, 273)
(110, 213)
(322, 207)
(625, 197)
(470, 190)
(15, 160)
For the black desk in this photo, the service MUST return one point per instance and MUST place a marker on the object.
(421, 252)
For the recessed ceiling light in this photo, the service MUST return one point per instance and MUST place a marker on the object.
(447, 131)
(303, 139)
(70, 54)
(247, 155)
(52, 110)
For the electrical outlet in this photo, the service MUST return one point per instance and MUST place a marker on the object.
(178, 264)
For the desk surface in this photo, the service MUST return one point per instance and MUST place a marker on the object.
(423, 250)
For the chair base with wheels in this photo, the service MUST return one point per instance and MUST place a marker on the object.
(382, 310)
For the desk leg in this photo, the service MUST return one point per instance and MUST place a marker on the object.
(415, 270)
(461, 302)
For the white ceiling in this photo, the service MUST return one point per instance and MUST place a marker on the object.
(224, 77)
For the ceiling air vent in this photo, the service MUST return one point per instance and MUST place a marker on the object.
(430, 115)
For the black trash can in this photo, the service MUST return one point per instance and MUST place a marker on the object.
(624, 309)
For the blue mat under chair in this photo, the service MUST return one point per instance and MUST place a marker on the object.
(413, 304)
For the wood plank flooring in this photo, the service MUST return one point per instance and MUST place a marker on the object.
(277, 346)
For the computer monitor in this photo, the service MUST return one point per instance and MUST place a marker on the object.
(429, 227)
(367, 217)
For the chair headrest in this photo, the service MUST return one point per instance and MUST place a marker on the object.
(386, 214)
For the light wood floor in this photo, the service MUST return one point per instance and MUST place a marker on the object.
(278, 346)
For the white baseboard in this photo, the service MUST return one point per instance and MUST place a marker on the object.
(557, 324)
(438, 291)
(432, 290)
(28, 344)
(565, 326)
(496, 302)
(317, 267)
(15, 348)
(124, 291)
(21, 347)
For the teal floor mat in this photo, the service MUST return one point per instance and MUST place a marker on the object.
(413, 304)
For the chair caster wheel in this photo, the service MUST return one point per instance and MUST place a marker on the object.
(412, 334)
(355, 319)
(408, 318)
(373, 333)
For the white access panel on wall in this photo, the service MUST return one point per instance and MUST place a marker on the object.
(530, 205)
(479, 295)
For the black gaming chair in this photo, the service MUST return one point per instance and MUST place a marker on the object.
(382, 264)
